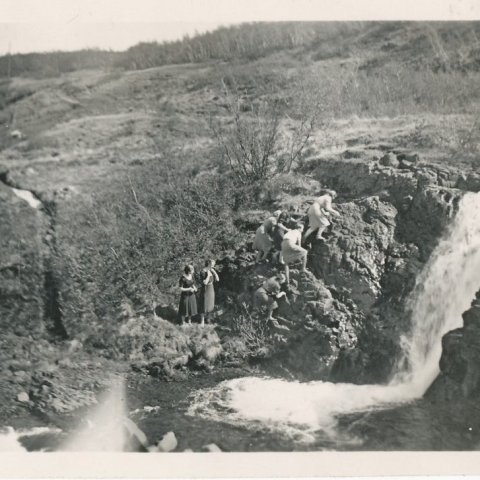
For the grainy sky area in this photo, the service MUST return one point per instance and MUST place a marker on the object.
(46, 25)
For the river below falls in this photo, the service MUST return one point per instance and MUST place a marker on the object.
(158, 407)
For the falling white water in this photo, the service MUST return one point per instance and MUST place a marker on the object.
(445, 290)
(103, 429)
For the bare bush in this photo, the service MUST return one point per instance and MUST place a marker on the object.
(257, 137)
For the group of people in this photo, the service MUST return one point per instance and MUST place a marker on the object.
(285, 240)
(280, 238)
(188, 307)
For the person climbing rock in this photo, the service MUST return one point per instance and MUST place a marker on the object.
(188, 301)
(268, 294)
(319, 213)
(292, 251)
(278, 234)
(263, 242)
(208, 276)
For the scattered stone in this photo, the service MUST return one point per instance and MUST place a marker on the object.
(168, 443)
(16, 134)
(23, 397)
(136, 440)
(408, 157)
(74, 346)
(212, 448)
(389, 160)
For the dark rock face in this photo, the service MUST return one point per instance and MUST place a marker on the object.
(460, 375)
(354, 255)
(22, 255)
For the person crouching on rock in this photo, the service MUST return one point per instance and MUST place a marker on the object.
(292, 251)
(188, 301)
(263, 237)
(207, 292)
(319, 213)
(268, 294)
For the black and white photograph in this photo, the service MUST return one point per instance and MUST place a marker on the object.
(237, 235)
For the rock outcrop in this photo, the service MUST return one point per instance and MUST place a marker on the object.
(459, 364)
(22, 273)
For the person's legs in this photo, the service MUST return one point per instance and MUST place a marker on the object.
(287, 274)
(272, 305)
(202, 319)
(304, 262)
(320, 231)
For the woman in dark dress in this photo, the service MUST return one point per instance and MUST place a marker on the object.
(207, 293)
(188, 301)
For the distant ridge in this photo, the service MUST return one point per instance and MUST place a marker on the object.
(435, 45)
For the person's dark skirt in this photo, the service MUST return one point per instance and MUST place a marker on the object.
(188, 300)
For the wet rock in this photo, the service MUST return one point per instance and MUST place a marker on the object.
(23, 397)
(168, 443)
(459, 364)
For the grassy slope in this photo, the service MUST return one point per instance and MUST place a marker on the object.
(93, 138)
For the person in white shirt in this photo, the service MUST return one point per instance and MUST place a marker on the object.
(319, 214)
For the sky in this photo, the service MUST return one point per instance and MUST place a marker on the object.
(46, 25)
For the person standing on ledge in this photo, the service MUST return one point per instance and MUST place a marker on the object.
(188, 301)
(319, 213)
(207, 292)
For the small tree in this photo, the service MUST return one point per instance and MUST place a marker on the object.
(258, 138)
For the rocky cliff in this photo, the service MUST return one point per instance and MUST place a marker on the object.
(459, 377)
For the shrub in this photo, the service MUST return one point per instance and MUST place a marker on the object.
(258, 139)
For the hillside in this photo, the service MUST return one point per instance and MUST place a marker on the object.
(129, 181)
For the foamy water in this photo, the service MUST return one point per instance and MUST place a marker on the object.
(444, 291)
(10, 439)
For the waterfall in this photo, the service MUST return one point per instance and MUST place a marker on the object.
(443, 292)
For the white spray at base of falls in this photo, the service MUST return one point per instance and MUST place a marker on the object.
(444, 291)
(103, 429)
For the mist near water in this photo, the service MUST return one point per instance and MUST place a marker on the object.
(103, 429)
(444, 290)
